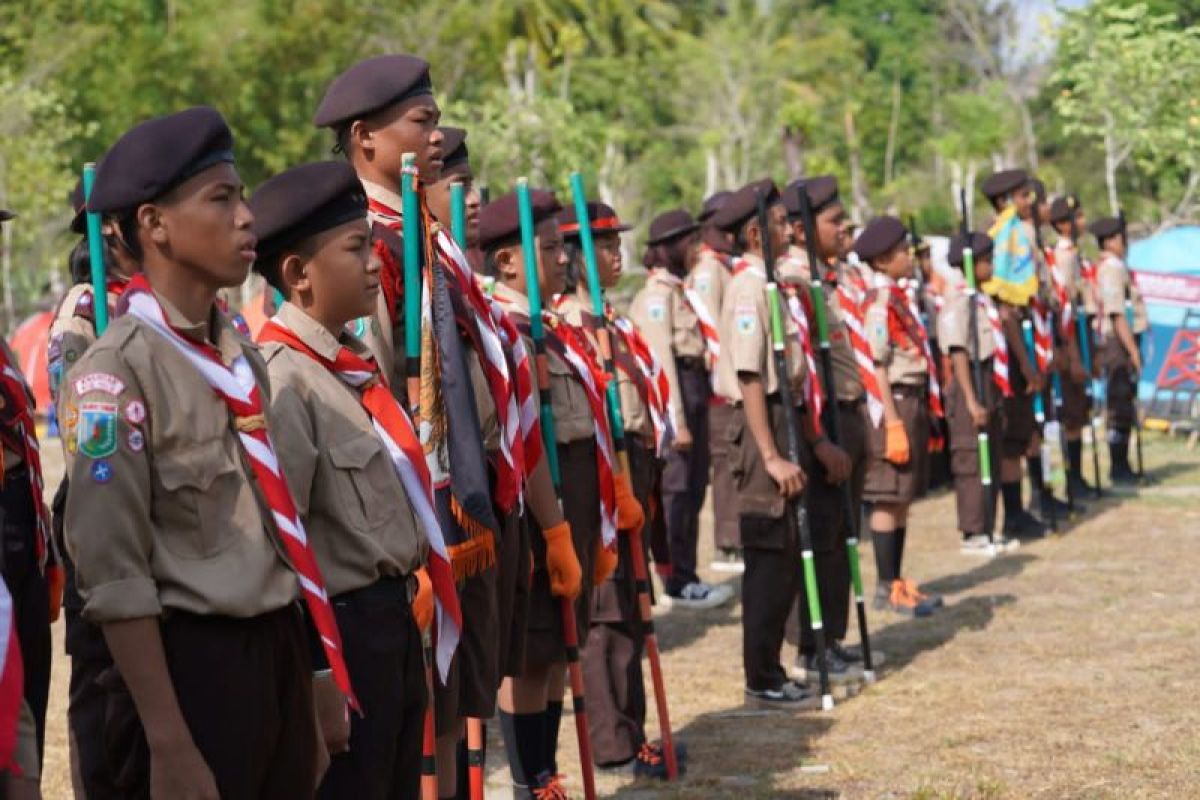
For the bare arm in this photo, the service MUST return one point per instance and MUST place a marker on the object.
(787, 475)
(542, 499)
(1128, 340)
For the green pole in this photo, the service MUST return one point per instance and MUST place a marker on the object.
(458, 214)
(96, 254)
(410, 207)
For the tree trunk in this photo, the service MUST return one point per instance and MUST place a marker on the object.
(1111, 162)
(712, 168)
(861, 206)
(793, 151)
(889, 156)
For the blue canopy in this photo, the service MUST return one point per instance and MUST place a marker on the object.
(1176, 250)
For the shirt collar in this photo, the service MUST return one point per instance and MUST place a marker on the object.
(383, 195)
(315, 335)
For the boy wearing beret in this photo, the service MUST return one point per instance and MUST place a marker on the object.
(356, 470)
(767, 481)
(193, 576)
(908, 396)
(1123, 320)
(569, 555)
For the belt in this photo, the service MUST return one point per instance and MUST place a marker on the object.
(851, 405)
(389, 589)
(908, 390)
(689, 362)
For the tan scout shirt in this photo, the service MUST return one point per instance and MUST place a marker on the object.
(634, 413)
(745, 331)
(354, 507)
(1116, 285)
(163, 511)
(846, 377)
(709, 279)
(905, 359)
(671, 328)
(954, 325)
(573, 418)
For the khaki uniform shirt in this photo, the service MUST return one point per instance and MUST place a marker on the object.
(846, 377)
(355, 509)
(1115, 286)
(573, 418)
(671, 329)
(904, 360)
(709, 279)
(954, 325)
(745, 331)
(72, 332)
(163, 511)
(634, 413)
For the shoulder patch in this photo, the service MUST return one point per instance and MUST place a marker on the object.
(656, 309)
(703, 283)
(745, 315)
(96, 435)
(103, 382)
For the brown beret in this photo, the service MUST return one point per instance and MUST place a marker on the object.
(671, 225)
(743, 204)
(157, 155)
(980, 245)
(998, 184)
(454, 148)
(500, 222)
(6, 215)
(822, 192)
(372, 85)
(304, 201)
(713, 204)
(1104, 228)
(601, 219)
(880, 236)
(1064, 208)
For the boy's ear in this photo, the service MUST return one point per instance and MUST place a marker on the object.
(506, 263)
(149, 218)
(293, 274)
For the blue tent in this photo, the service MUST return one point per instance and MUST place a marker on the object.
(1172, 252)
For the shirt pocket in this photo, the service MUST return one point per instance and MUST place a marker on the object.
(204, 510)
(365, 481)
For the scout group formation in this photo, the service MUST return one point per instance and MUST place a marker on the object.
(427, 495)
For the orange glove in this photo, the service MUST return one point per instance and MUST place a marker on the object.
(630, 516)
(422, 602)
(604, 565)
(56, 580)
(566, 576)
(895, 448)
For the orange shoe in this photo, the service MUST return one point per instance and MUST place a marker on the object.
(550, 788)
(914, 591)
(901, 602)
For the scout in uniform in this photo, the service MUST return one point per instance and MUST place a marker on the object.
(380, 109)
(340, 433)
(1020, 426)
(830, 465)
(704, 287)
(568, 559)
(967, 411)
(189, 574)
(766, 480)
(612, 654)
(668, 319)
(898, 448)
(1123, 320)
(1067, 217)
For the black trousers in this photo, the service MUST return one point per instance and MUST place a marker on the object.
(685, 478)
(771, 551)
(30, 594)
(383, 653)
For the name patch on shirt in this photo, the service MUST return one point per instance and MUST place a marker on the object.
(99, 382)
(96, 436)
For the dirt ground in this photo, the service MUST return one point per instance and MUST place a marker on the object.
(1063, 670)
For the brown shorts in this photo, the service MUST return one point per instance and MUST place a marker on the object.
(581, 506)
(1121, 387)
(900, 483)
(470, 688)
(1019, 423)
(970, 499)
(1075, 403)
(615, 600)
(512, 589)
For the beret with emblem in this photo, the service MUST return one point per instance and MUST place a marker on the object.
(1104, 228)
(1064, 208)
(713, 204)
(671, 225)
(822, 192)
(454, 149)
(981, 247)
(304, 201)
(157, 155)
(372, 85)
(1007, 181)
(743, 204)
(601, 219)
(500, 222)
(880, 236)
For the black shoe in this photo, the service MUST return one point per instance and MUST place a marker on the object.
(839, 670)
(1123, 476)
(1024, 525)
(1079, 487)
(849, 655)
(1048, 502)
(651, 761)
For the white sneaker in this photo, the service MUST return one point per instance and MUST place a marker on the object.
(701, 596)
(977, 544)
(728, 560)
(1003, 545)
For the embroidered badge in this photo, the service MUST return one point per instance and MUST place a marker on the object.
(101, 471)
(702, 283)
(745, 316)
(136, 440)
(99, 382)
(657, 310)
(135, 412)
(97, 434)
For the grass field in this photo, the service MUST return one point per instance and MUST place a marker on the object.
(1064, 670)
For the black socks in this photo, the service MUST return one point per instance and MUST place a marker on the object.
(1034, 464)
(900, 533)
(1010, 491)
(1075, 457)
(524, 741)
(887, 555)
(552, 718)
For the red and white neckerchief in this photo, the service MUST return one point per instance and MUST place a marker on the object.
(12, 678)
(1043, 336)
(851, 295)
(657, 389)
(394, 428)
(236, 386)
(937, 410)
(744, 264)
(1000, 357)
(708, 323)
(1058, 283)
(574, 349)
(799, 305)
(21, 438)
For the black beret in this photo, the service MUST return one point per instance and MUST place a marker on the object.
(1064, 208)
(159, 154)
(981, 247)
(713, 204)
(880, 236)
(6, 215)
(1104, 228)
(822, 192)
(601, 219)
(499, 220)
(1039, 189)
(371, 85)
(304, 201)
(670, 225)
(454, 148)
(743, 204)
(77, 203)
(1004, 182)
